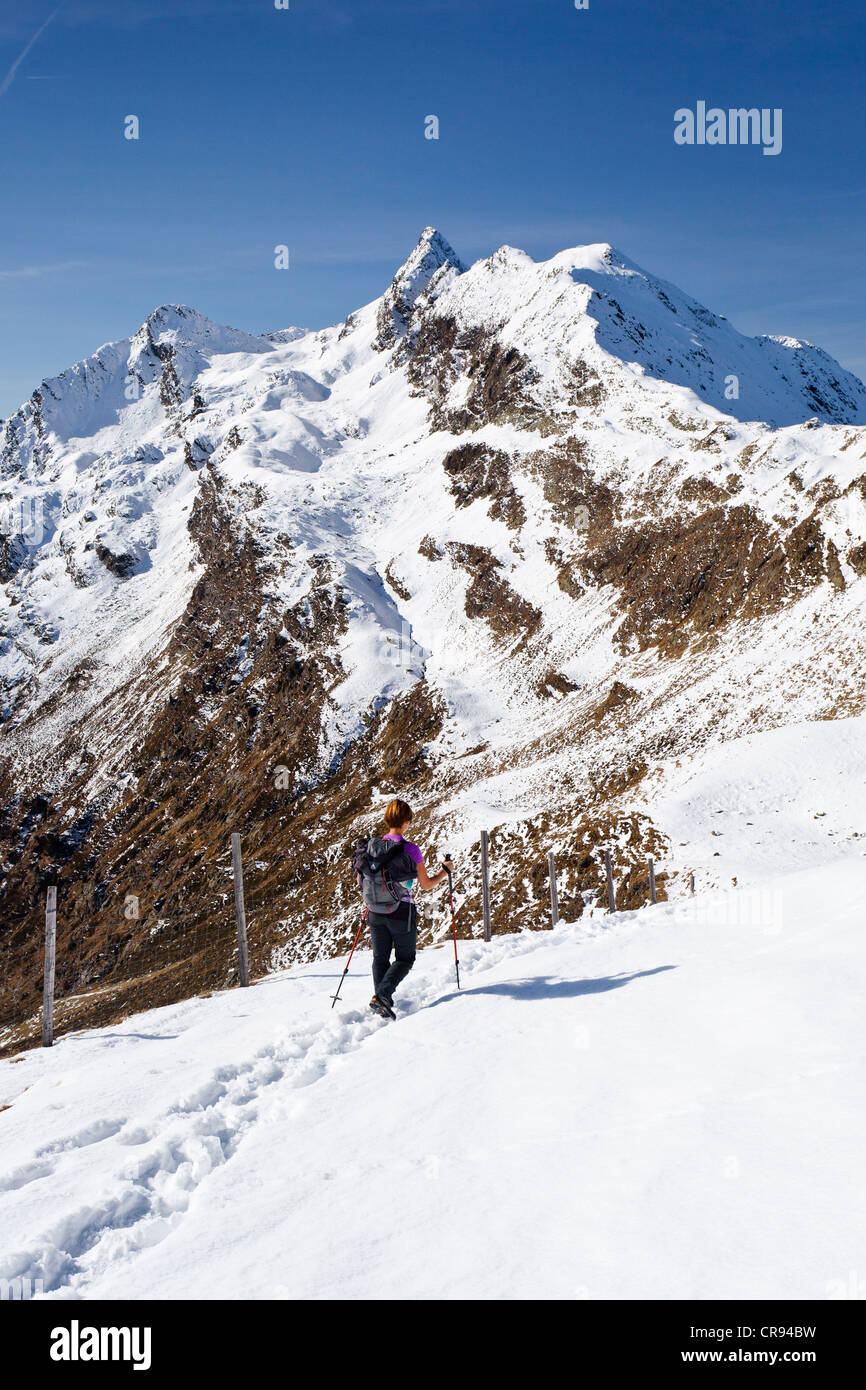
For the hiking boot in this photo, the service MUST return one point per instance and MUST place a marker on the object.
(382, 1007)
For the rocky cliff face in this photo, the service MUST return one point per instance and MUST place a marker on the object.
(514, 541)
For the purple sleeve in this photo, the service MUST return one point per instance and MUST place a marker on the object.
(413, 852)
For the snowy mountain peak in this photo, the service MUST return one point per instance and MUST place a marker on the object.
(431, 252)
(432, 264)
(173, 318)
(592, 311)
(600, 256)
(179, 324)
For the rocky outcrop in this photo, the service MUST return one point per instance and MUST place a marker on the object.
(122, 563)
(477, 471)
(499, 378)
(490, 596)
(690, 575)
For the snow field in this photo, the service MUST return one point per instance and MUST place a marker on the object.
(656, 1105)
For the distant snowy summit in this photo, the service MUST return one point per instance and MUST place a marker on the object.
(431, 265)
(585, 308)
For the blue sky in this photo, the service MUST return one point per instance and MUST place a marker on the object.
(305, 127)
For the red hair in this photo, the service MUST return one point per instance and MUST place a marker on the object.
(397, 814)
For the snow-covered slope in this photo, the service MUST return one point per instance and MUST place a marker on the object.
(592, 303)
(503, 541)
(657, 1106)
(767, 802)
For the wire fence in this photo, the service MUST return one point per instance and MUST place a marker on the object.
(60, 979)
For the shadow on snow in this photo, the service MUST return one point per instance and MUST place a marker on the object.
(544, 987)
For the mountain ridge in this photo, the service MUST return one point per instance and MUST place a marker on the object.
(453, 546)
(596, 266)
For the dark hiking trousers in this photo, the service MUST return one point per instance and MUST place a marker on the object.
(398, 933)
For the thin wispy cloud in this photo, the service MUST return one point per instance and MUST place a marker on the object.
(10, 75)
(33, 272)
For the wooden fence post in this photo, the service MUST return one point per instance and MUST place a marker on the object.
(692, 881)
(554, 896)
(50, 957)
(243, 957)
(485, 883)
(652, 874)
(611, 897)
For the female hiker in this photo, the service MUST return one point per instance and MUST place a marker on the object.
(398, 930)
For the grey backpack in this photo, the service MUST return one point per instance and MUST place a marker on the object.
(384, 868)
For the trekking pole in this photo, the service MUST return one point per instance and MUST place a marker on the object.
(453, 922)
(336, 996)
